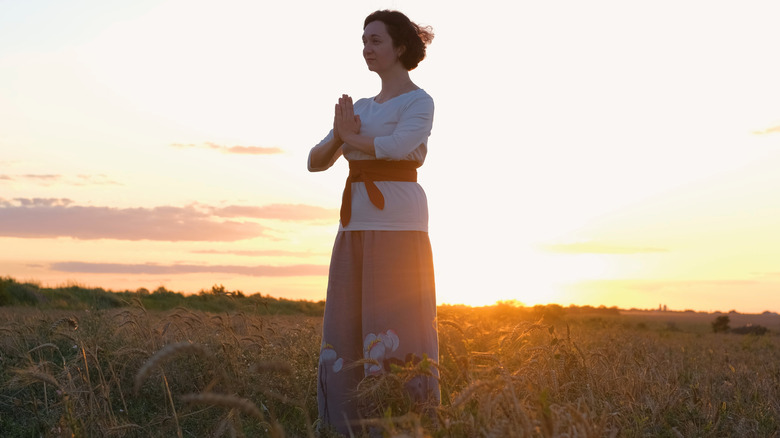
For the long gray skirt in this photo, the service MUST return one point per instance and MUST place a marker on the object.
(381, 305)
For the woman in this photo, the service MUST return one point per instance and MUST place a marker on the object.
(381, 302)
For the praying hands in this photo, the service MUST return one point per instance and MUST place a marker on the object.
(346, 124)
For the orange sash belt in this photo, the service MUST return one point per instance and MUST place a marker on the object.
(368, 171)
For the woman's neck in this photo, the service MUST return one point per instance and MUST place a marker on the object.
(395, 85)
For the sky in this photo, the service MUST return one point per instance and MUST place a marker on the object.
(590, 153)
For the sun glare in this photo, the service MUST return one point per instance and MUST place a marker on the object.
(484, 272)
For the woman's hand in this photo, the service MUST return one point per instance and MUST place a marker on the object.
(336, 135)
(346, 124)
(346, 127)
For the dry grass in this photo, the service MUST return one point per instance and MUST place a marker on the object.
(503, 372)
(163, 356)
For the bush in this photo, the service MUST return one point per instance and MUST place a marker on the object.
(13, 293)
(750, 329)
(721, 324)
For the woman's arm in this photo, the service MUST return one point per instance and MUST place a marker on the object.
(325, 154)
(412, 130)
(328, 150)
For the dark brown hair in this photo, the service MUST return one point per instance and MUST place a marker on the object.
(404, 33)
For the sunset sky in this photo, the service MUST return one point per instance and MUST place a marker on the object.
(583, 152)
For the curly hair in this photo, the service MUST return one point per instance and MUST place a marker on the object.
(404, 33)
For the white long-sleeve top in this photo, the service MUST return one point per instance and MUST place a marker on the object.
(400, 127)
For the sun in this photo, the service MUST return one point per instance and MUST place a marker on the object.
(465, 277)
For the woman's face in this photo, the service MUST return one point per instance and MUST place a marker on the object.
(378, 50)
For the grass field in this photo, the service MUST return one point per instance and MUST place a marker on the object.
(505, 371)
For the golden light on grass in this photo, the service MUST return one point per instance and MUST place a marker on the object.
(543, 371)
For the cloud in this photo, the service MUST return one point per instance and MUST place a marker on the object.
(769, 130)
(42, 177)
(95, 180)
(245, 150)
(51, 179)
(285, 212)
(261, 253)
(153, 269)
(50, 218)
(43, 202)
(597, 248)
(34, 202)
(39, 179)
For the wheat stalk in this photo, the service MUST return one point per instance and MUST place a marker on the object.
(123, 427)
(231, 401)
(453, 324)
(71, 321)
(46, 345)
(163, 356)
(124, 351)
(128, 322)
(467, 393)
(138, 303)
(25, 377)
(224, 426)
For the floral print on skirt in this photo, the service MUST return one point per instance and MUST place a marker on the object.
(381, 305)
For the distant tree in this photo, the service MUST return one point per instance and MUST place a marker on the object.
(218, 290)
(721, 324)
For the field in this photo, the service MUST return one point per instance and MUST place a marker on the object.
(505, 371)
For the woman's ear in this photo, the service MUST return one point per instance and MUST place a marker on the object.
(400, 51)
